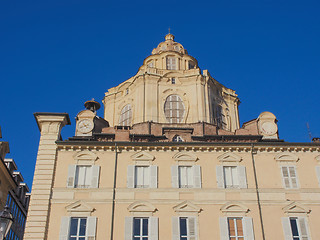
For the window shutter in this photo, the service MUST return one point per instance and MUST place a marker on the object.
(285, 176)
(153, 176)
(95, 171)
(220, 178)
(192, 228)
(130, 176)
(153, 228)
(64, 228)
(293, 177)
(128, 226)
(318, 173)
(286, 228)
(303, 228)
(224, 232)
(175, 228)
(197, 176)
(91, 228)
(248, 228)
(174, 176)
(71, 175)
(242, 177)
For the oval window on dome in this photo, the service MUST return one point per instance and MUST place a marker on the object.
(125, 116)
(174, 109)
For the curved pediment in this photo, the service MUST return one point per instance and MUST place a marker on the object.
(85, 156)
(187, 207)
(286, 157)
(294, 208)
(185, 156)
(141, 206)
(234, 208)
(79, 207)
(142, 156)
(229, 157)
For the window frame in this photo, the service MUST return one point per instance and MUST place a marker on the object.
(289, 177)
(78, 236)
(172, 111)
(136, 176)
(232, 176)
(236, 236)
(189, 176)
(171, 63)
(87, 179)
(141, 236)
(125, 118)
(177, 138)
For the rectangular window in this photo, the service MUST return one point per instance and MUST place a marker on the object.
(231, 177)
(171, 63)
(142, 176)
(235, 228)
(185, 177)
(140, 228)
(83, 177)
(289, 177)
(298, 229)
(78, 229)
(187, 226)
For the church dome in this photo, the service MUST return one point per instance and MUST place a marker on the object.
(169, 45)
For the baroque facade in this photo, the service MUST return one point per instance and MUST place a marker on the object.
(169, 160)
(13, 192)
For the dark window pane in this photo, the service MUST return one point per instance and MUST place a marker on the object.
(136, 226)
(73, 226)
(183, 227)
(83, 224)
(136, 238)
(145, 227)
(82, 238)
(145, 238)
(183, 238)
(294, 227)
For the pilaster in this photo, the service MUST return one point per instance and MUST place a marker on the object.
(50, 125)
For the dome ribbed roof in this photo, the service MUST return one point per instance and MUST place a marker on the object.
(169, 45)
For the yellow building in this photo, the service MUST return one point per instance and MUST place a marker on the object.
(170, 161)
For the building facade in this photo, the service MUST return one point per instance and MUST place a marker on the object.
(169, 160)
(13, 192)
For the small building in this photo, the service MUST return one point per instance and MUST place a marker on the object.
(169, 160)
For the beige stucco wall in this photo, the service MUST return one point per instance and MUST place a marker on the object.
(274, 198)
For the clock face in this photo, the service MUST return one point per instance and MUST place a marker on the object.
(269, 128)
(85, 125)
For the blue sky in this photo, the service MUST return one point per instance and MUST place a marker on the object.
(55, 55)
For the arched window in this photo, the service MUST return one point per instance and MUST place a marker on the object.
(177, 138)
(125, 116)
(171, 63)
(174, 109)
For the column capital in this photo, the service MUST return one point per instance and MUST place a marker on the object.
(51, 122)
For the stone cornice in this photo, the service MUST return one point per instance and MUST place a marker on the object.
(276, 147)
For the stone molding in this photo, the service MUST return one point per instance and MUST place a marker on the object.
(142, 207)
(229, 157)
(234, 208)
(295, 208)
(79, 208)
(286, 157)
(187, 207)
